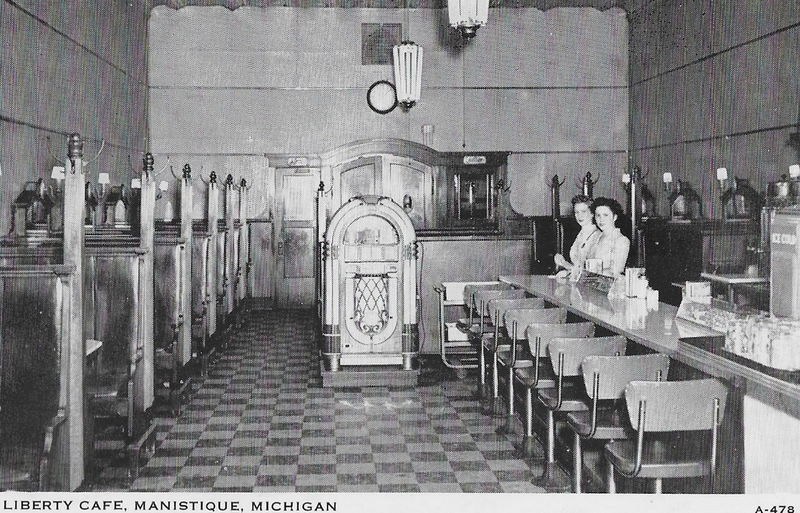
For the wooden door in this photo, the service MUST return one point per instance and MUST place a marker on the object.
(260, 280)
(295, 193)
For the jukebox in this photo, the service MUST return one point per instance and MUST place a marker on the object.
(369, 289)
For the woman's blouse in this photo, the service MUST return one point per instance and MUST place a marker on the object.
(612, 248)
(586, 238)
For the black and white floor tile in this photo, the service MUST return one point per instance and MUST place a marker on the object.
(260, 422)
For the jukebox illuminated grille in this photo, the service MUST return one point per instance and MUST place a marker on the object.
(371, 303)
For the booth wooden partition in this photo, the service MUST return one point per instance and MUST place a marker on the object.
(172, 262)
(42, 349)
(37, 350)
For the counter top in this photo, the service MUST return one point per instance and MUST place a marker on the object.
(734, 279)
(657, 329)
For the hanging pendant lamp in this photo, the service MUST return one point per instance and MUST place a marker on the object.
(468, 15)
(408, 73)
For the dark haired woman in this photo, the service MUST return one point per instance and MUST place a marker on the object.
(612, 246)
(587, 237)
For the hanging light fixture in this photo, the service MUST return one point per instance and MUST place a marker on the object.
(468, 15)
(408, 73)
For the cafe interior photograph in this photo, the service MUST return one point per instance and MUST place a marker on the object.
(498, 246)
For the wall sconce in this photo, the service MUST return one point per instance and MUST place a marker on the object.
(667, 178)
(722, 177)
(169, 212)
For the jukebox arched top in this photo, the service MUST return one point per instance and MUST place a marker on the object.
(370, 216)
(370, 289)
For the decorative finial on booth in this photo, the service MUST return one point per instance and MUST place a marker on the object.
(229, 180)
(148, 162)
(75, 146)
(212, 178)
(243, 184)
(187, 171)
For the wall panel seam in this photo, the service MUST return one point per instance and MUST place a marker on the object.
(80, 45)
(19, 122)
(716, 137)
(717, 53)
(364, 88)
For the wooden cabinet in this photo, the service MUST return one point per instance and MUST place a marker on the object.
(473, 185)
(408, 182)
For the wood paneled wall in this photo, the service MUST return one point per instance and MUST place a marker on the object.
(70, 66)
(713, 84)
(549, 86)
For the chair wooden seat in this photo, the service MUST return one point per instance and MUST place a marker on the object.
(522, 359)
(572, 399)
(527, 375)
(463, 325)
(611, 423)
(660, 459)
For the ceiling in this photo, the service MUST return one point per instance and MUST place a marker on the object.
(433, 4)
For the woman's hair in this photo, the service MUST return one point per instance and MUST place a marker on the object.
(580, 198)
(612, 205)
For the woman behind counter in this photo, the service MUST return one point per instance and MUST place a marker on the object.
(612, 246)
(587, 237)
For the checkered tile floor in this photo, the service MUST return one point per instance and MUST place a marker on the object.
(260, 422)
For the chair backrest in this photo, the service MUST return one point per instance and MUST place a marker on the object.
(483, 296)
(615, 372)
(546, 332)
(567, 353)
(498, 307)
(523, 317)
(675, 405)
(470, 289)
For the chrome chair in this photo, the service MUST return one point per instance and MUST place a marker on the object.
(566, 355)
(605, 379)
(497, 309)
(516, 321)
(668, 407)
(539, 374)
(469, 324)
(485, 328)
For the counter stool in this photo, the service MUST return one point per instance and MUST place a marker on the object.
(485, 329)
(539, 374)
(566, 355)
(669, 407)
(467, 325)
(516, 321)
(605, 378)
(497, 309)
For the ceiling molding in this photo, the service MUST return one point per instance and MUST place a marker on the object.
(542, 5)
